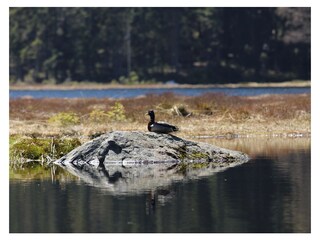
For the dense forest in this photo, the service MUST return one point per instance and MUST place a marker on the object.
(185, 45)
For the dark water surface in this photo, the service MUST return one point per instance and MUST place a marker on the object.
(270, 193)
(130, 92)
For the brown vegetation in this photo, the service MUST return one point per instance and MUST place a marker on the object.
(210, 115)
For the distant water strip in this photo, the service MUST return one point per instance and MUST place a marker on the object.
(131, 93)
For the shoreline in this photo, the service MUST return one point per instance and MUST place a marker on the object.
(209, 115)
(92, 86)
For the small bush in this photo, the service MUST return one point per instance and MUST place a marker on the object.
(117, 112)
(63, 146)
(29, 148)
(132, 79)
(65, 119)
(36, 148)
(98, 116)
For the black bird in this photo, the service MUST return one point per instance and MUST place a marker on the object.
(159, 127)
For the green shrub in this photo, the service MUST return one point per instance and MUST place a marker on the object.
(29, 148)
(36, 148)
(63, 146)
(132, 79)
(65, 119)
(98, 116)
(117, 112)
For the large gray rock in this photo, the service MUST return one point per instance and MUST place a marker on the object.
(123, 161)
(148, 147)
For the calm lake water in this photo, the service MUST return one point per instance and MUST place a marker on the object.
(269, 194)
(129, 93)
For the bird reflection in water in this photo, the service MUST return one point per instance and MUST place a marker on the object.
(158, 197)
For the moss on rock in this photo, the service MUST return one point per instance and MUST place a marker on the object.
(193, 155)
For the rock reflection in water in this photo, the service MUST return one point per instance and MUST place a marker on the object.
(127, 178)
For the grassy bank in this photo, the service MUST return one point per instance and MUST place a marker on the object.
(209, 114)
(46, 129)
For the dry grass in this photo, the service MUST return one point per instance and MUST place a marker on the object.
(262, 146)
(211, 115)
